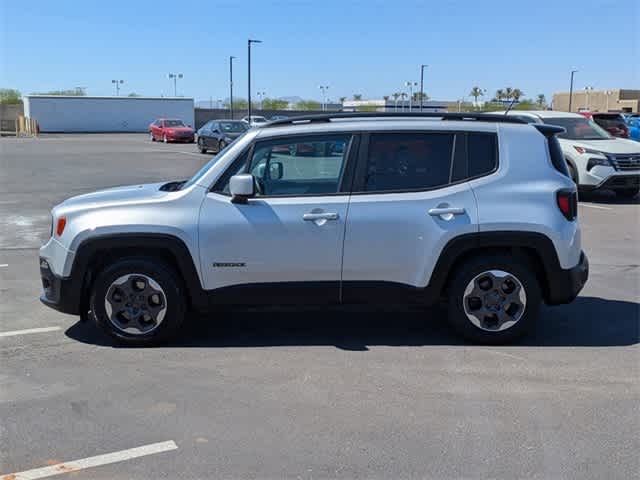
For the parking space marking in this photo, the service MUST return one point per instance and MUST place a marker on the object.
(192, 153)
(3, 265)
(594, 206)
(96, 461)
(13, 333)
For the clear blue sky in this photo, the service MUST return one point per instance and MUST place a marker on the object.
(354, 46)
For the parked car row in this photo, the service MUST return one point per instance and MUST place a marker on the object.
(596, 159)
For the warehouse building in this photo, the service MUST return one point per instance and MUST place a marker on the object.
(58, 113)
(621, 100)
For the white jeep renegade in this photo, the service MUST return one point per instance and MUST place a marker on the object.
(333, 209)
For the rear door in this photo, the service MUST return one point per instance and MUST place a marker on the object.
(410, 198)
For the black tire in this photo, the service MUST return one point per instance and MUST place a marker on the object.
(465, 273)
(164, 276)
(627, 192)
(153, 139)
(221, 145)
(201, 146)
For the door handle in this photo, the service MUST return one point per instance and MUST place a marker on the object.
(435, 212)
(312, 217)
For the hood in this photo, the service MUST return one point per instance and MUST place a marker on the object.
(180, 129)
(614, 145)
(112, 197)
(232, 135)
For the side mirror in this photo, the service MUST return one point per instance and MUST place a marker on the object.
(242, 187)
(275, 170)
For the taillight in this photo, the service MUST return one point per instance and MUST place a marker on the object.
(567, 200)
(60, 224)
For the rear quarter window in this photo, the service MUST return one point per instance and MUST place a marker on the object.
(482, 150)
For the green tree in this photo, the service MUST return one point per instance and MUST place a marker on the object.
(516, 93)
(134, 94)
(274, 104)
(10, 96)
(417, 95)
(508, 93)
(76, 92)
(541, 100)
(342, 99)
(475, 93)
(308, 105)
(238, 104)
(500, 95)
(357, 96)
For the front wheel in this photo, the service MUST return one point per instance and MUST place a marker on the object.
(221, 145)
(165, 139)
(151, 137)
(627, 192)
(494, 299)
(201, 146)
(138, 302)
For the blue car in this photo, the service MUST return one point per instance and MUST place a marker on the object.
(633, 123)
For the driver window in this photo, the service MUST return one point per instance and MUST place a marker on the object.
(304, 166)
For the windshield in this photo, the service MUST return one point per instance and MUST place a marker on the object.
(205, 168)
(578, 129)
(173, 123)
(233, 127)
(258, 119)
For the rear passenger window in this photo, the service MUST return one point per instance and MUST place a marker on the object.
(482, 150)
(408, 161)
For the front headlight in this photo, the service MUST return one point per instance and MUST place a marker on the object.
(594, 161)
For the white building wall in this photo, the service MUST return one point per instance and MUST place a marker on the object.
(104, 114)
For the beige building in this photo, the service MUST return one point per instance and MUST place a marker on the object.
(620, 100)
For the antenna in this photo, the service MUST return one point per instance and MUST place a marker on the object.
(510, 106)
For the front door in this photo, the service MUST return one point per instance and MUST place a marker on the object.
(285, 244)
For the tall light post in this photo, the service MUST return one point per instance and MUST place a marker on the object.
(571, 89)
(607, 93)
(411, 85)
(586, 91)
(175, 77)
(324, 89)
(117, 83)
(261, 96)
(249, 42)
(422, 67)
(403, 95)
(231, 86)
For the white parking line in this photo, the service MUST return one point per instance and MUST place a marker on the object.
(193, 153)
(594, 206)
(13, 333)
(96, 461)
(3, 265)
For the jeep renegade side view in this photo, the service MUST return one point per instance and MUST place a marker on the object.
(333, 209)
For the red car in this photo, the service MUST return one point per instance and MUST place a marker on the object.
(171, 130)
(612, 122)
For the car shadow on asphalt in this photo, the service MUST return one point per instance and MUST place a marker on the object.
(587, 322)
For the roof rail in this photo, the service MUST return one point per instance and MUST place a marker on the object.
(328, 117)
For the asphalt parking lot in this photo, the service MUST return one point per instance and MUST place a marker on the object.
(313, 393)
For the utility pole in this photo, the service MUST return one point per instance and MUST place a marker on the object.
(249, 42)
(175, 77)
(231, 86)
(422, 84)
(571, 89)
(324, 89)
(117, 83)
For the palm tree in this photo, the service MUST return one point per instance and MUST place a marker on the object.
(403, 96)
(386, 98)
(418, 95)
(508, 93)
(357, 96)
(541, 100)
(342, 99)
(516, 93)
(475, 93)
(395, 96)
(499, 94)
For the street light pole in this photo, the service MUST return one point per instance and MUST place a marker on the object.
(249, 42)
(231, 86)
(571, 89)
(586, 91)
(411, 85)
(324, 89)
(117, 83)
(422, 84)
(175, 77)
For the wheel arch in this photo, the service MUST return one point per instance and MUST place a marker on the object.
(94, 254)
(537, 249)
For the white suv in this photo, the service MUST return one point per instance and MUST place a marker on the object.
(333, 209)
(596, 159)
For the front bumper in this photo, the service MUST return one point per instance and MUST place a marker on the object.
(564, 285)
(619, 182)
(62, 294)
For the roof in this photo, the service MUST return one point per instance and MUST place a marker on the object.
(86, 97)
(545, 113)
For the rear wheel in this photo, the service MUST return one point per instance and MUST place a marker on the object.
(627, 192)
(494, 299)
(221, 145)
(201, 146)
(138, 302)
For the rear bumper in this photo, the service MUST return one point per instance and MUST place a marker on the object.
(62, 294)
(564, 285)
